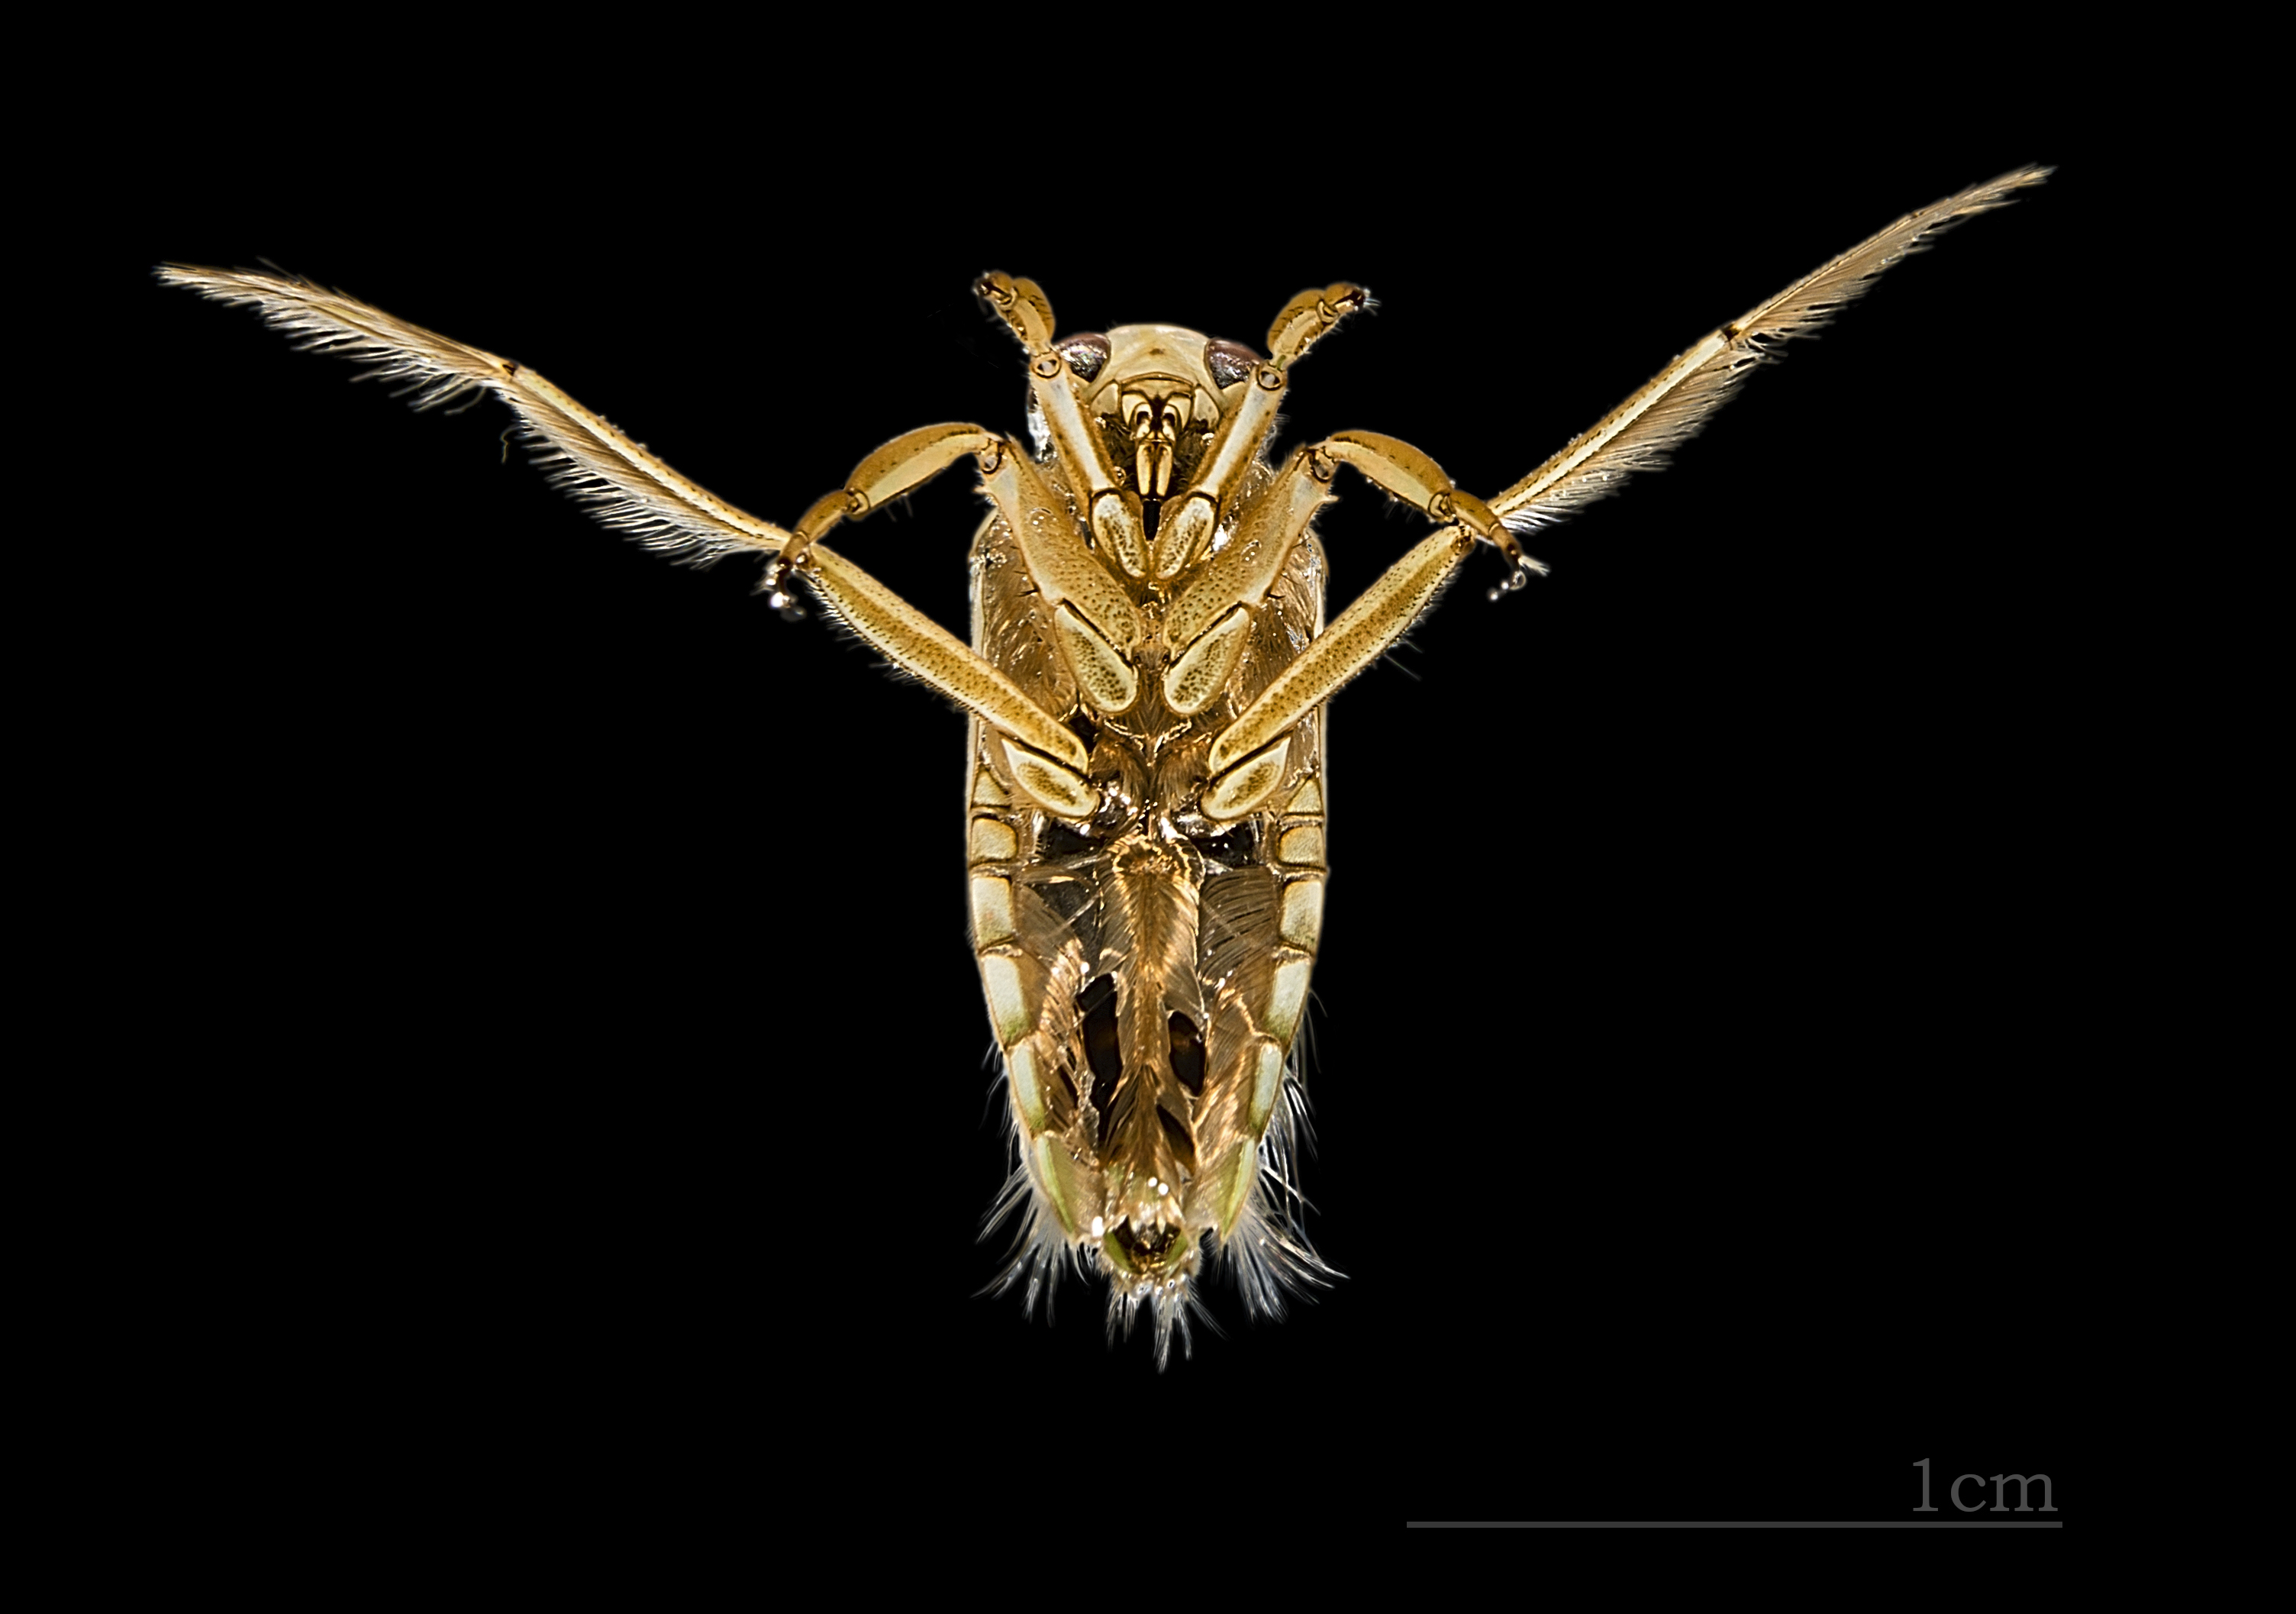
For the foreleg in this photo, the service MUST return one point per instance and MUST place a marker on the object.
(1244, 428)
(1113, 513)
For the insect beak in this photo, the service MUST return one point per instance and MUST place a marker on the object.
(1153, 467)
(1157, 413)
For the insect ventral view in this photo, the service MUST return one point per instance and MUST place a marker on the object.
(1149, 666)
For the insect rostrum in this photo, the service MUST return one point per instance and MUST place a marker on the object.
(1146, 681)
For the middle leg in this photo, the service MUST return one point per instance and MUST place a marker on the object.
(1212, 608)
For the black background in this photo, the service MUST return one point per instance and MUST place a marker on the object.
(1709, 976)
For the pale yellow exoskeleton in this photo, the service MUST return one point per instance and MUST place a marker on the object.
(1146, 681)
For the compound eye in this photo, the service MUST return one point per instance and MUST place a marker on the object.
(1229, 362)
(1086, 353)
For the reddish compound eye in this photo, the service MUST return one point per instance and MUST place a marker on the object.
(1229, 362)
(1086, 352)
